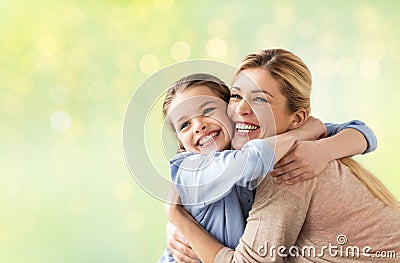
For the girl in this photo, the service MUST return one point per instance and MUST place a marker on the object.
(196, 107)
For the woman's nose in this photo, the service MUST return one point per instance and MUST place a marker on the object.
(243, 108)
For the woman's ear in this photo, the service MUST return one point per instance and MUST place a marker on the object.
(299, 118)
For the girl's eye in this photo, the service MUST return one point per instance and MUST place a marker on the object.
(260, 99)
(208, 110)
(184, 125)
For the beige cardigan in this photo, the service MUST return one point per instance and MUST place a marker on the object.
(316, 219)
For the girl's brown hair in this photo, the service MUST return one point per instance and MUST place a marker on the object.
(214, 84)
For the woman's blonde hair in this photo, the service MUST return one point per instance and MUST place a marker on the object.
(286, 68)
(295, 84)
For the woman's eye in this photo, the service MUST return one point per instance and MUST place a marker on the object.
(260, 99)
(184, 125)
(208, 110)
(236, 96)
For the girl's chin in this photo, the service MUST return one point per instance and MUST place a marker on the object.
(237, 143)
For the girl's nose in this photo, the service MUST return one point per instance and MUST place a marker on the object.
(200, 126)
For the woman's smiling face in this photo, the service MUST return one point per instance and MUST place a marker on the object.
(257, 107)
(200, 120)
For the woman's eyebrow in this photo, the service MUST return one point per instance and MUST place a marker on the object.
(234, 87)
(254, 91)
(262, 91)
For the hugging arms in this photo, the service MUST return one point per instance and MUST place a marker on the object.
(286, 93)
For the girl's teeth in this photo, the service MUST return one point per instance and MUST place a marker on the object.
(207, 138)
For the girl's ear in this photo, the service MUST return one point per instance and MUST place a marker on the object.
(299, 118)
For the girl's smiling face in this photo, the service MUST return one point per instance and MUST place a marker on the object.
(200, 120)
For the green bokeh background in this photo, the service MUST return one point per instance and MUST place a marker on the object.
(69, 68)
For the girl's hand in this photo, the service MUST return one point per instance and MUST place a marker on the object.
(306, 160)
(313, 129)
(178, 246)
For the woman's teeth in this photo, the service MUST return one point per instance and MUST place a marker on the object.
(245, 128)
(208, 138)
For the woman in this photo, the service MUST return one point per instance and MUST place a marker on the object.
(291, 218)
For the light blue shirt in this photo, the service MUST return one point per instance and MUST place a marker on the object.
(217, 189)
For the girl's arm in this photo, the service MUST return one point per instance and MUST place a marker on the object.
(204, 179)
(309, 158)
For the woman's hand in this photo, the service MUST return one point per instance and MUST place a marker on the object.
(176, 242)
(173, 205)
(306, 160)
(178, 246)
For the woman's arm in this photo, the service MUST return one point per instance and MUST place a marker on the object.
(309, 158)
(275, 220)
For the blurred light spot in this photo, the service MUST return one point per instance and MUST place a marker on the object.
(72, 15)
(329, 41)
(114, 130)
(149, 64)
(12, 105)
(77, 57)
(374, 50)
(122, 191)
(370, 69)
(163, 5)
(345, 67)
(10, 179)
(98, 91)
(2, 232)
(21, 85)
(122, 85)
(125, 63)
(10, 30)
(326, 67)
(135, 221)
(118, 17)
(305, 29)
(139, 11)
(47, 45)
(60, 121)
(368, 15)
(78, 204)
(59, 95)
(25, 223)
(217, 28)
(369, 19)
(76, 129)
(266, 35)
(231, 12)
(30, 202)
(284, 13)
(180, 51)
(216, 48)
